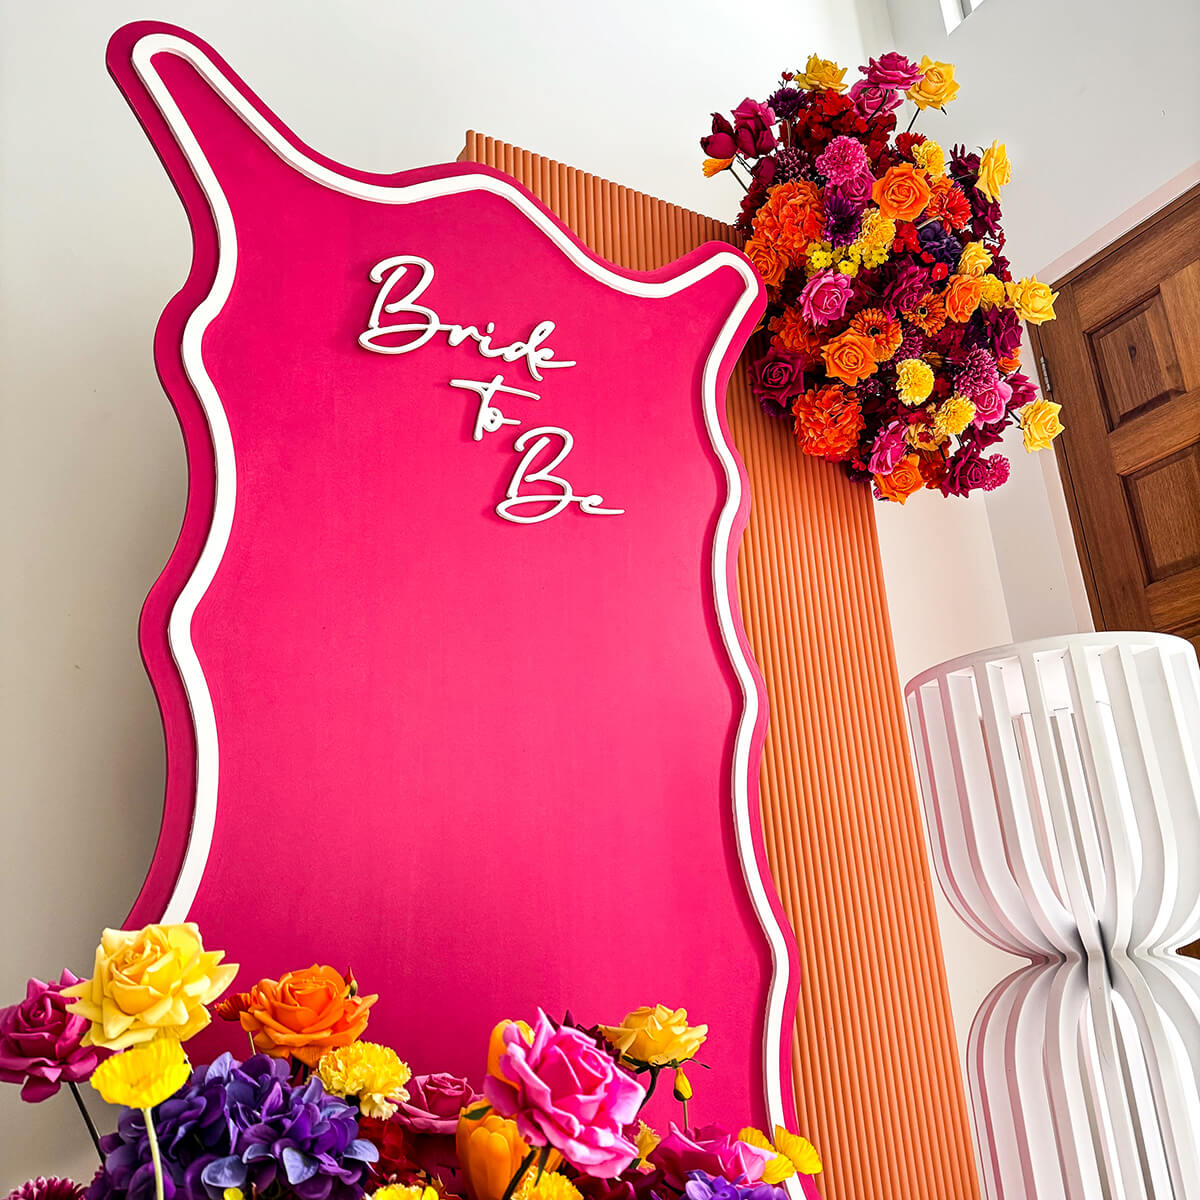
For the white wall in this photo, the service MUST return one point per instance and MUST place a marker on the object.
(95, 242)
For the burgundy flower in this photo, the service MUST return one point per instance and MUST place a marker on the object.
(965, 472)
(429, 1118)
(906, 287)
(764, 171)
(775, 379)
(791, 163)
(752, 130)
(892, 70)
(1024, 390)
(912, 343)
(1004, 331)
(40, 1041)
(856, 190)
(720, 143)
(786, 102)
(998, 472)
(53, 1188)
(976, 374)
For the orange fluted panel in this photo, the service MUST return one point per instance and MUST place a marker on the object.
(878, 1086)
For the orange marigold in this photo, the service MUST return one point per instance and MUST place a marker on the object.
(768, 261)
(850, 357)
(794, 334)
(884, 332)
(903, 481)
(961, 297)
(928, 314)
(792, 216)
(828, 422)
(948, 204)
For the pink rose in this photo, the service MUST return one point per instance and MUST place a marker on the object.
(872, 100)
(892, 70)
(888, 449)
(563, 1091)
(711, 1150)
(429, 1118)
(857, 190)
(991, 406)
(40, 1041)
(825, 297)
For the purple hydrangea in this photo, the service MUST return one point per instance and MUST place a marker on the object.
(702, 1186)
(239, 1125)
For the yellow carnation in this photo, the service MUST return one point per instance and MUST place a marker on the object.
(994, 170)
(876, 231)
(778, 1168)
(143, 1076)
(1032, 299)
(714, 166)
(914, 380)
(367, 1072)
(399, 1191)
(993, 292)
(149, 983)
(930, 157)
(646, 1140)
(936, 87)
(974, 259)
(822, 73)
(1040, 424)
(799, 1150)
(658, 1036)
(550, 1186)
(952, 417)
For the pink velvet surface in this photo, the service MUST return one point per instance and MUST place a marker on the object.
(487, 765)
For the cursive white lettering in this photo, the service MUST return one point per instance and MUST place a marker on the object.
(488, 418)
(532, 443)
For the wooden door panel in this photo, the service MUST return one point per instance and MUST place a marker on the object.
(1123, 359)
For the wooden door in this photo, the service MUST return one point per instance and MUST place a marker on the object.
(1123, 360)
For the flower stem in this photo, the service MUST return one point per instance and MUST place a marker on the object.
(253, 1047)
(916, 113)
(526, 1163)
(87, 1119)
(155, 1157)
(650, 1090)
(685, 1120)
(543, 1158)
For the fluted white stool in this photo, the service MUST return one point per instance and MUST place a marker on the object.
(1061, 785)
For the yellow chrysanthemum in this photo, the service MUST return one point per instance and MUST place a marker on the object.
(370, 1073)
(1032, 300)
(952, 417)
(646, 1140)
(974, 259)
(822, 73)
(993, 292)
(799, 1150)
(551, 1186)
(143, 1076)
(397, 1191)
(1040, 424)
(914, 380)
(658, 1036)
(877, 231)
(780, 1167)
(994, 170)
(929, 156)
(714, 166)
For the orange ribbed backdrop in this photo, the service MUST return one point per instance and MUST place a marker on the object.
(878, 1086)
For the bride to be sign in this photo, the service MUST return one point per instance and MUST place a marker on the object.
(453, 684)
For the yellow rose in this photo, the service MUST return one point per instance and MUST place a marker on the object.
(149, 983)
(936, 87)
(974, 259)
(994, 170)
(658, 1036)
(1032, 299)
(822, 73)
(1040, 424)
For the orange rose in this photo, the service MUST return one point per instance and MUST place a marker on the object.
(850, 357)
(902, 193)
(1009, 363)
(962, 297)
(903, 481)
(304, 1013)
(767, 260)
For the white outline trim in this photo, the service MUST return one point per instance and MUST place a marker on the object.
(225, 485)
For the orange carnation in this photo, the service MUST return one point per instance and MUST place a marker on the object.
(850, 357)
(768, 261)
(928, 314)
(903, 481)
(304, 1013)
(828, 422)
(901, 193)
(885, 333)
(962, 297)
(794, 334)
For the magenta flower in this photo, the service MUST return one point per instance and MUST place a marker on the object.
(563, 1091)
(892, 70)
(998, 469)
(41, 1188)
(872, 100)
(856, 190)
(710, 1149)
(990, 407)
(1024, 390)
(40, 1041)
(429, 1118)
(977, 374)
(752, 130)
(965, 472)
(720, 143)
(825, 297)
(775, 379)
(888, 449)
(842, 160)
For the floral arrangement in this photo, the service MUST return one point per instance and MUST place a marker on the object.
(317, 1113)
(894, 320)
